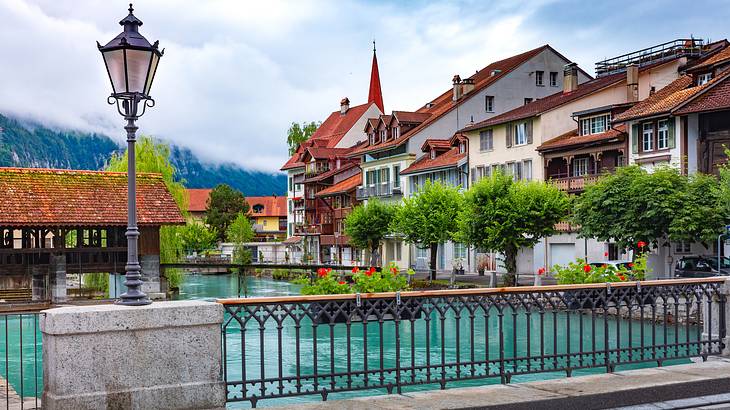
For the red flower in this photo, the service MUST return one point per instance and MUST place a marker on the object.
(586, 268)
(631, 264)
(622, 277)
(605, 254)
(321, 272)
(641, 244)
(329, 270)
(540, 271)
(394, 271)
(355, 269)
(604, 266)
(369, 272)
(342, 282)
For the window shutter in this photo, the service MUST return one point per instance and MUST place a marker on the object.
(671, 139)
(509, 135)
(635, 138)
(528, 130)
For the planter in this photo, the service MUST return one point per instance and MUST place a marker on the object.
(342, 313)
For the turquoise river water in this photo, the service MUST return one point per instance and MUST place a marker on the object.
(24, 368)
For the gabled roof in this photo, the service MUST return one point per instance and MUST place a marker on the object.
(715, 97)
(443, 104)
(571, 138)
(344, 186)
(55, 197)
(437, 144)
(198, 199)
(411, 117)
(329, 133)
(448, 159)
(274, 205)
(678, 95)
(550, 102)
(722, 56)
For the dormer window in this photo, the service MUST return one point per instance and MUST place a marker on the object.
(383, 135)
(396, 131)
(258, 208)
(462, 148)
(595, 125)
(433, 154)
(704, 78)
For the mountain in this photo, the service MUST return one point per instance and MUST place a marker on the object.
(28, 144)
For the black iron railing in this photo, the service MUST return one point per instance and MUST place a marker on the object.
(293, 346)
(20, 361)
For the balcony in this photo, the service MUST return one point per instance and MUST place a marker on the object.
(382, 189)
(573, 184)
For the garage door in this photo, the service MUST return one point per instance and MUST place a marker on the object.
(562, 253)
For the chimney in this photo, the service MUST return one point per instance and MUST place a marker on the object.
(570, 78)
(457, 87)
(344, 106)
(632, 83)
(467, 85)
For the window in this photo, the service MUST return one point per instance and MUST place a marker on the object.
(489, 103)
(662, 134)
(291, 183)
(396, 176)
(553, 79)
(433, 154)
(462, 148)
(704, 78)
(486, 140)
(595, 125)
(383, 134)
(539, 78)
(580, 167)
(517, 171)
(647, 137)
(384, 175)
(479, 172)
(528, 100)
(459, 250)
(398, 246)
(520, 134)
(683, 247)
(620, 160)
(396, 132)
(527, 169)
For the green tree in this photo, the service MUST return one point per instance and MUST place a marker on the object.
(197, 238)
(154, 157)
(299, 133)
(239, 232)
(656, 207)
(429, 218)
(504, 215)
(368, 224)
(224, 205)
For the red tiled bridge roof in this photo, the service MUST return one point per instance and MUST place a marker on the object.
(53, 197)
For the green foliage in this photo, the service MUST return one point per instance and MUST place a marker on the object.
(224, 205)
(239, 232)
(154, 157)
(326, 284)
(174, 278)
(429, 217)
(388, 279)
(368, 224)
(97, 281)
(299, 133)
(289, 274)
(580, 272)
(421, 284)
(197, 238)
(504, 215)
(634, 205)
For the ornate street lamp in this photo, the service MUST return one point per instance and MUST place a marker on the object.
(131, 62)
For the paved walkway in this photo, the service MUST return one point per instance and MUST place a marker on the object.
(696, 385)
(10, 398)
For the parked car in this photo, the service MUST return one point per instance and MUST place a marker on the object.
(700, 267)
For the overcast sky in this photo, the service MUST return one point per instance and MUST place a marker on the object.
(235, 74)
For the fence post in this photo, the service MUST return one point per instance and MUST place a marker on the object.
(164, 355)
(719, 318)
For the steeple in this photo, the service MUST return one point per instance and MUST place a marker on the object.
(375, 95)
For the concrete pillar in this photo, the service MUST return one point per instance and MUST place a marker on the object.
(150, 273)
(714, 322)
(57, 276)
(166, 355)
(39, 283)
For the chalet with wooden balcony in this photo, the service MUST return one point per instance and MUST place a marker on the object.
(338, 201)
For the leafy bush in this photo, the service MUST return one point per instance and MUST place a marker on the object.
(579, 272)
(388, 279)
(326, 284)
(174, 278)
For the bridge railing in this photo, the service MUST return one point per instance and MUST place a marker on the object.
(276, 347)
(21, 372)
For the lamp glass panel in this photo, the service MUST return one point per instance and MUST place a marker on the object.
(114, 61)
(151, 73)
(138, 62)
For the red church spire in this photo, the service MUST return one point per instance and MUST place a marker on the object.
(375, 95)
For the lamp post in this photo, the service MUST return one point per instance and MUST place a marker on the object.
(131, 62)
